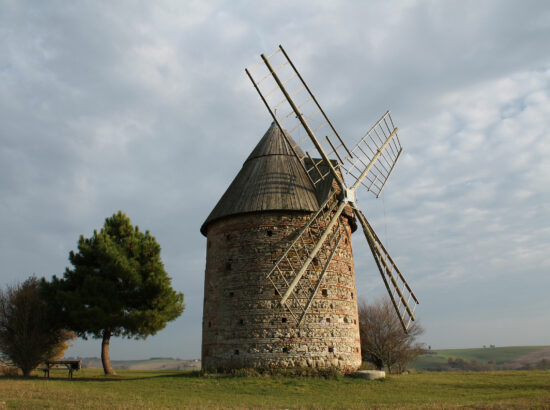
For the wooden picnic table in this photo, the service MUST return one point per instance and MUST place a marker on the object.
(71, 366)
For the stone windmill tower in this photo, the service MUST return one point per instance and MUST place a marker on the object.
(270, 199)
(280, 284)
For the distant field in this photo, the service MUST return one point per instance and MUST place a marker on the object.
(169, 389)
(511, 354)
(149, 364)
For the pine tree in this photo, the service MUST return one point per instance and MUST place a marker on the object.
(117, 286)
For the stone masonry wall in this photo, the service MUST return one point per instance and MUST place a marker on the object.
(243, 324)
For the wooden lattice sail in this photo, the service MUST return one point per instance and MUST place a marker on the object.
(369, 164)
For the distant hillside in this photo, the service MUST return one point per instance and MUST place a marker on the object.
(155, 363)
(486, 358)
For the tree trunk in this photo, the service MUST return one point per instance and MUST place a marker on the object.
(105, 359)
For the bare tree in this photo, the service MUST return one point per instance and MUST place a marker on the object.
(383, 341)
(29, 333)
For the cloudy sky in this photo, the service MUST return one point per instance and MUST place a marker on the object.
(145, 107)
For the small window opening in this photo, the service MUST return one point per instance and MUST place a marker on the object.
(328, 319)
(208, 244)
(231, 294)
(324, 292)
(356, 350)
(346, 320)
(209, 324)
(228, 265)
(331, 349)
(283, 319)
(352, 295)
(236, 351)
(285, 349)
(349, 268)
(354, 321)
(269, 232)
(241, 322)
(227, 237)
(315, 261)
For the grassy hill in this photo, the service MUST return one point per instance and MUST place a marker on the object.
(514, 356)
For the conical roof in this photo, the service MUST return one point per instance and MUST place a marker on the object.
(271, 179)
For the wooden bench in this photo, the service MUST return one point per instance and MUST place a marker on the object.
(71, 366)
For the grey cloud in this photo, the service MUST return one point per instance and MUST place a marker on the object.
(146, 108)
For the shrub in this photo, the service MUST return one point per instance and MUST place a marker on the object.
(384, 343)
(29, 331)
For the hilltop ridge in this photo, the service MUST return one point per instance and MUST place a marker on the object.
(485, 358)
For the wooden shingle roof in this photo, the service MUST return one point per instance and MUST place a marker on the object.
(271, 179)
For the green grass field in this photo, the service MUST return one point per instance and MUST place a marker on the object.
(498, 354)
(150, 389)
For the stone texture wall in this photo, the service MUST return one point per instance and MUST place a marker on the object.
(243, 324)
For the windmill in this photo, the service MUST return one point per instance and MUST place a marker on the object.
(336, 173)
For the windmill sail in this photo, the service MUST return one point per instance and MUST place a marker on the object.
(400, 293)
(296, 274)
(294, 108)
(382, 142)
